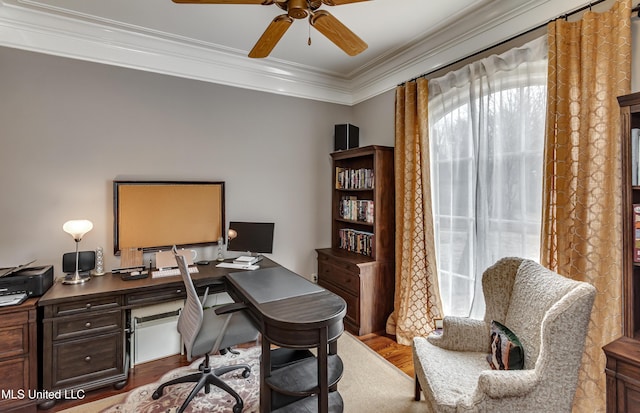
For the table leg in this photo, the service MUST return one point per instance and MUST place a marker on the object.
(323, 372)
(265, 371)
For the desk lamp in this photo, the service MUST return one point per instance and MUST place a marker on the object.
(77, 228)
(231, 234)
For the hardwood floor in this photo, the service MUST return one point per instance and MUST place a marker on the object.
(387, 347)
(383, 344)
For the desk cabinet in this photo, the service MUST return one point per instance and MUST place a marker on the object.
(623, 376)
(18, 356)
(84, 333)
(84, 345)
(366, 286)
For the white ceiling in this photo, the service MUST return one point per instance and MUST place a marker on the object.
(210, 41)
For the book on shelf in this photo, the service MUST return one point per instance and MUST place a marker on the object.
(360, 242)
(354, 209)
(636, 233)
(349, 178)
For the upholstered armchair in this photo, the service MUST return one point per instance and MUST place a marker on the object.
(547, 312)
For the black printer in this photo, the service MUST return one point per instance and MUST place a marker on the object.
(35, 281)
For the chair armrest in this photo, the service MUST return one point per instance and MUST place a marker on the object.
(462, 334)
(506, 383)
(207, 283)
(230, 308)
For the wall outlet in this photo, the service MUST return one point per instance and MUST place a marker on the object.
(314, 277)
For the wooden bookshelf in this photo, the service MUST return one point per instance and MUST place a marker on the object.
(623, 354)
(359, 266)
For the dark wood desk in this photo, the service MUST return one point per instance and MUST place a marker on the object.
(85, 325)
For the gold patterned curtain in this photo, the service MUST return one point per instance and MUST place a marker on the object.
(589, 66)
(417, 296)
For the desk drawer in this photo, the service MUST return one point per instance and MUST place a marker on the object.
(88, 359)
(84, 306)
(339, 263)
(15, 340)
(15, 377)
(156, 296)
(337, 275)
(87, 325)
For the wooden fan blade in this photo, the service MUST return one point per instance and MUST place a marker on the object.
(271, 36)
(340, 2)
(338, 33)
(265, 2)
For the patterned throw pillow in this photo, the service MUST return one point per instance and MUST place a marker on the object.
(506, 350)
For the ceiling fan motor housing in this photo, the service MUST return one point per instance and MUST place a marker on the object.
(298, 9)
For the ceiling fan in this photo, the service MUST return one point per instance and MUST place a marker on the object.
(322, 20)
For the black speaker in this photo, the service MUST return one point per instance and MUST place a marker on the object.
(346, 136)
(86, 261)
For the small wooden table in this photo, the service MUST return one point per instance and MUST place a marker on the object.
(294, 313)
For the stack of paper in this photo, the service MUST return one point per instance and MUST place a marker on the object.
(247, 259)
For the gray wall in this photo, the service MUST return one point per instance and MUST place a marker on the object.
(375, 118)
(69, 127)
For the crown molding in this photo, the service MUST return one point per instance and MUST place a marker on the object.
(31, 29)
(34, 30)
(444, 47)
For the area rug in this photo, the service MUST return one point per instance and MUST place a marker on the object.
(369, 384)
(139, 400)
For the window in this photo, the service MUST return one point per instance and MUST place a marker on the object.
(486, 131)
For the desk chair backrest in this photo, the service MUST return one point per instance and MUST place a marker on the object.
(202, 334)
(190, 320)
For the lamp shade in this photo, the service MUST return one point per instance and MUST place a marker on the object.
(77, 228)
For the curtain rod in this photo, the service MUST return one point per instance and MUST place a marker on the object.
(562, 16)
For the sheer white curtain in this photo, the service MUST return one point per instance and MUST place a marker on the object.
(486, 125)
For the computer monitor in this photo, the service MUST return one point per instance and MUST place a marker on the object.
(253, 237)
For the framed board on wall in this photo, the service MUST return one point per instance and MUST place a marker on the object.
(155, 215)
